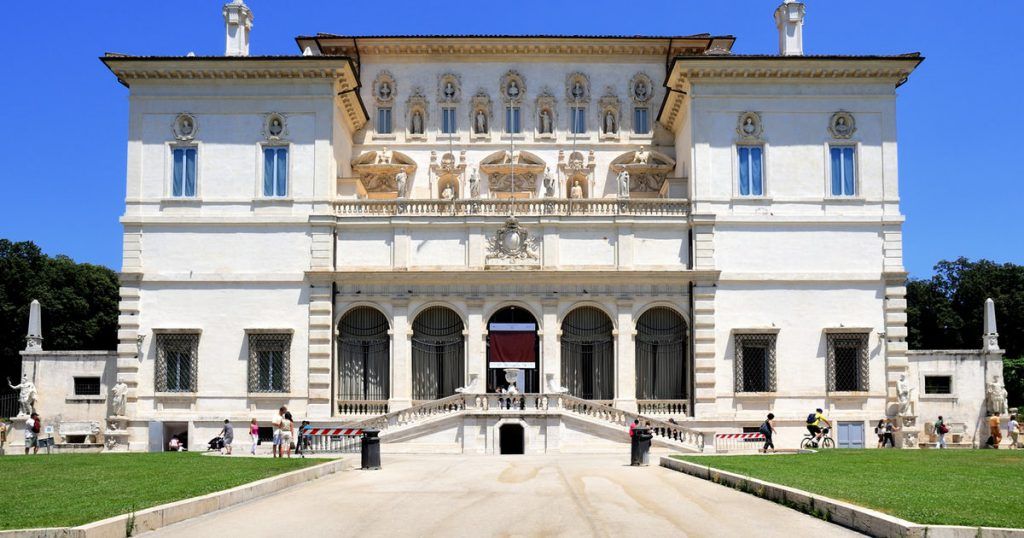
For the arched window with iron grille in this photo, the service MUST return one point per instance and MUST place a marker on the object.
(588, 357)
(438, 354)
(661, 350)
(364, 355)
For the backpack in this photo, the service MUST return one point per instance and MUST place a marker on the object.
(765, 428)
(35, 426)
(943, 428)
(811, 418)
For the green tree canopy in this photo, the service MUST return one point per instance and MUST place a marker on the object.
(79, 303)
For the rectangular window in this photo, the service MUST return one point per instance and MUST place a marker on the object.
(176, 362)
(183, 181)
(844, 176)
(938, 384)
(641, 125)
(269, 355)
(755, 362)
(751, 170)
(87, 386)
(448, 120)
(578, 116)
(512, 120)
(384, 120)
(848, 362)
(275, 171)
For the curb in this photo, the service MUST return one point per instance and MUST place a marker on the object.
(851, 516)
(167, 514)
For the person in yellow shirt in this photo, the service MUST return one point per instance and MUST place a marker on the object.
(814, 422)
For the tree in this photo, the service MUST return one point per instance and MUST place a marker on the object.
(947, 312)
(79, 303)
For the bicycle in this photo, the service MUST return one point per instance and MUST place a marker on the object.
(808, 442)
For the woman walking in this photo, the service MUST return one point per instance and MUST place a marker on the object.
(254, 434)
(940, 431)
(880, 432)
(889, 438)
(768, 429)
(287, 433)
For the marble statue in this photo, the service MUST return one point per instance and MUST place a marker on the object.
(448, 193)
(400, 178)
(481, 122)
(549, 183)
(553, 387)
(748, 126)
(545, 121)
(119, 398)
(417, 123)
(449, 91)
(609, 123)
(275, 127)
(640, 90)
(384, 91)
(577, 91)
(995, 396)
(641, 156)
(623, 181)
(26, 395)
(472, 387)
(903, 394)
(513, 90)
(577, 191)
(186, 126)
(384, 156)
(474, 184)
(841, 127)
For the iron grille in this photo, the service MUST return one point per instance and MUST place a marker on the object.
(269, 360)
(661, 351)
(848, 362)
(87, 386)
(364, 353)
(755, 362)
(438, 354)
(588, 356)
(176, 362)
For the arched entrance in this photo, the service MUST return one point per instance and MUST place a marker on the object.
(588, 359)
(438, 354)
(511, 439)
(512, 343)
(364, 355)
(661, 350)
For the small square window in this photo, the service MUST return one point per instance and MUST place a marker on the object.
(938, 384)
(87, 386)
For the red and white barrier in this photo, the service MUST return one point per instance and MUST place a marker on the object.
(732, 442)
(334, 431)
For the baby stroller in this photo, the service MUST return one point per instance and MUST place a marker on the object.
(217, 443)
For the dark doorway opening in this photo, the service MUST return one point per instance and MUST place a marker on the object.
(501, 322)
(511, 439)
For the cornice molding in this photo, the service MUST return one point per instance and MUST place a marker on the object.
(502, 48)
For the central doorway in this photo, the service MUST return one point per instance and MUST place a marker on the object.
(512, 343)
(511, 439)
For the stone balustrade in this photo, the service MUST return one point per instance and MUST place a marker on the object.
(362, 407)
(664, 407)
(661, 430)
(522, 207)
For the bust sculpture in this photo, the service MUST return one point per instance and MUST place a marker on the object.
(384, 91)
(640, 91)
(995, 396)
(119, 398)
(449, 91)
(641, 156)
(400, 178)
(841, 127)
(384, 156)
(480, 122)
(748, 126)
(549, 183)
(26, 395)
(513, 90)
(577, 91)
(623, 181)
(903, 394)
(186, 126)
(577, 191)
(474, 184)
(609, 122)
(448, 193)
(417, 123)
(545, 121)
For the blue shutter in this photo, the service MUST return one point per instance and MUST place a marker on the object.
(756, 183)
(282, 171)
(268, 171)
(179, 169)
(640, 125)
(848, 172)
(190, 172)
(744, 171)
(837, 171)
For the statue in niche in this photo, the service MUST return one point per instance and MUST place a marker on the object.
(276, 127)
(448, 193)
(480, 122)
(577, 191)
(449, 91)
(186, 127)
(417, 123)
(642, 156)
(995, 396)
(474, 184)
(513, 90)
(549, 183)
(577, 91)
(384, 91)
(545, 121)
(26, 395)
(623, 181)
(903, 395)
(748, 126)
(609, 123)
(841, 128)
(384, 156)
(119, 398)
(640, 90)
(400, 179)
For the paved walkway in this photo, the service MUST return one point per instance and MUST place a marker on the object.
(549, 495)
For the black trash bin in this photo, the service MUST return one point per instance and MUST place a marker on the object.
(370, 450)
(643, 437)
(634, 448)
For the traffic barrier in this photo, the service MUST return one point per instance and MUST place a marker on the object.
(733, 442)
(329, 441)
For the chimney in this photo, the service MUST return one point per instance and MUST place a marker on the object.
(237, 25)
(789, 19)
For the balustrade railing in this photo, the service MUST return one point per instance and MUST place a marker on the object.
(527, 206)
(362, 407)
(666, 431)
(664, 407)
(416, 413)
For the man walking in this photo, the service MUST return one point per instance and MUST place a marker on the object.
(32, 428)
(227, 433)
(276, 423)
(1013, 429)
(994, 431)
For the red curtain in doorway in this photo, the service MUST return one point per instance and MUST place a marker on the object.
(513, 349)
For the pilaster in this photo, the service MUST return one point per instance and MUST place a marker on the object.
(704, 347)
(321, 254)
(625, 356)
(320, 338)
(703, 227)
(551, 353)
(624, 246)
(401, 356)
(476, 361)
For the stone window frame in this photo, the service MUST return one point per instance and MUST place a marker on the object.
(171, 146)
(769, 336)
(75, 385)
(264, 339)
(737, 195)
(938, 396)
(650, 124)
(858, 191)
(863, 338)
(176, 337)
(261, 170)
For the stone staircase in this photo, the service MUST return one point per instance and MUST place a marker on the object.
(586, 417)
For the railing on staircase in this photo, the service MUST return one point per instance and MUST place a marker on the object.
(665, 431)
(416, 413)
(362, 407)
(664, 407)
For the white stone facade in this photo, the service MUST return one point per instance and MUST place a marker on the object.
(794, 261)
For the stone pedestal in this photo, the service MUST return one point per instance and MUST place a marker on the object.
(910, 431)
(16, 435)
(116, 434)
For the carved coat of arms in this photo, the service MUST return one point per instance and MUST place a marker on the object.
(512, 242)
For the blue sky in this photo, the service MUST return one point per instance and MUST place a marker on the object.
(959, 132)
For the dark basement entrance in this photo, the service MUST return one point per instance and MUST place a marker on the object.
(511, 438)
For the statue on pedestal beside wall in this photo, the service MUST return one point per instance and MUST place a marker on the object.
(400, 180)
(26, 395)
(474, 184)
(119, 399)
(417, 123)
(549, 183)
(995, 396)
(480, 122)
(623, 181)
(903, 394)
(545, 121)
(609, 123)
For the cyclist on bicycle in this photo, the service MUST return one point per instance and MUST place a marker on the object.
(814, 422)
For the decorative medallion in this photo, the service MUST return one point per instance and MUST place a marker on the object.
(274, 126)
(185, 126)
(449, 88)
(512, 242)
(384, 89)
(577, 88)
(842, 125)
(640, 89)
(513, 88)
(749, 127)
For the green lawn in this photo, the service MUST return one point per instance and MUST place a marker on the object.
(73, 489)
(946, 487)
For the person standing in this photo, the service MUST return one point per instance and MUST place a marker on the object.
(1013, 431)
(633, 426)
(32, 434)
(276, 423)
(768, 430)
(880, 432)
(940, 431)
(889, 437)
(227, 433)
(254, 435)
(994, 431)
(287, 433)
